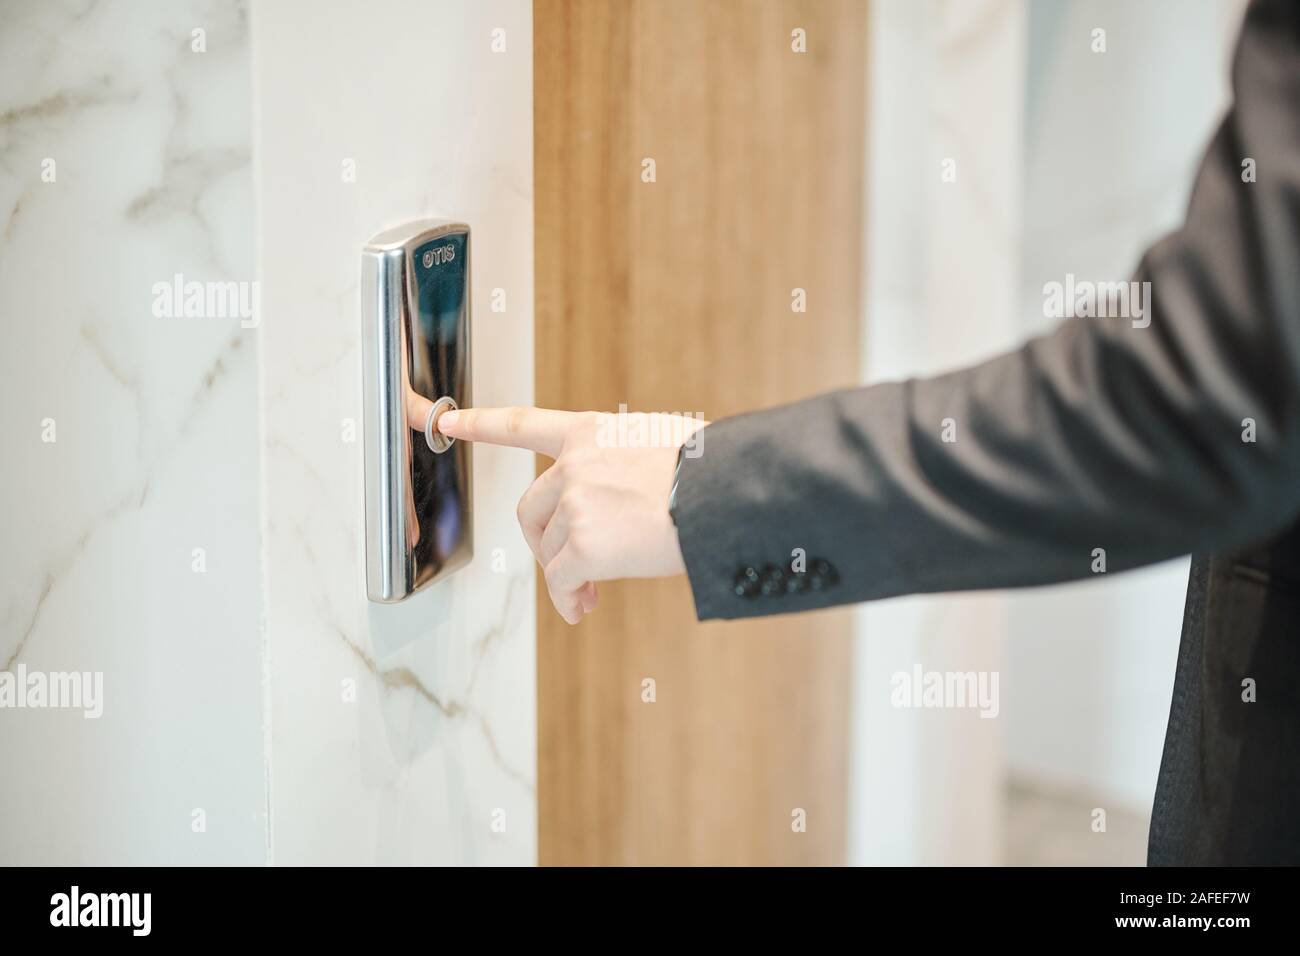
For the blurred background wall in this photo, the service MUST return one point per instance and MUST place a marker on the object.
(1067, 160)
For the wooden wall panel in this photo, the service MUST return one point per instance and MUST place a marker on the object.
(676, 296)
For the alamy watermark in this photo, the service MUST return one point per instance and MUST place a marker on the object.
(946, 690)
(624, 429)
(129, 910)
(60, 690)
(179, 299)
(1098, 300)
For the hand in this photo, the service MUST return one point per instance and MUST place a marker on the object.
(601, 511)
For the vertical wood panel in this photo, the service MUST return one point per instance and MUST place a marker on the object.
(675, 296)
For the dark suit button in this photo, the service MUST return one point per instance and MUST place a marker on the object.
(773, 581)
(747, 583)
(824, 574)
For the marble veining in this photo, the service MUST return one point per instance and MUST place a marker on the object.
(402, 733)
(194, 530)
(125, 158)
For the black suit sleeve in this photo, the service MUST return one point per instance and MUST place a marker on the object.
(1101, 435)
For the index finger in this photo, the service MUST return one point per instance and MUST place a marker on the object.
(538, 429)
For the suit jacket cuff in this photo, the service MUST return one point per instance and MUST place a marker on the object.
(736, 509)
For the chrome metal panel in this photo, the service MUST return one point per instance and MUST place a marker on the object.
(415, 340)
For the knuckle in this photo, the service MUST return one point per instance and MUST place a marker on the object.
(572, 503)
(579, 544)
(516, 418)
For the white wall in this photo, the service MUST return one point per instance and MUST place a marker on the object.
(440, 743)
(224, 687)
(940, 292)
(1112, 141)
(156, 434)
(1068, 161)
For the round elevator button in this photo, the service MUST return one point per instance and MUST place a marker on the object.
(436, 439)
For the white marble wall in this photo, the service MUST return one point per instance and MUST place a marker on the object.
(946, 80)
(225, 688)
(155, 428)
(434, 759)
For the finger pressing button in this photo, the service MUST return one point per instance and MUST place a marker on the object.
(436, 439)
